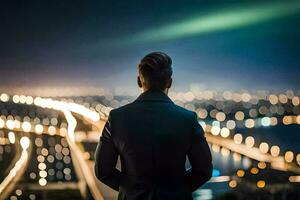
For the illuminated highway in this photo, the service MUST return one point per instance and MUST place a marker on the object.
(62, 146)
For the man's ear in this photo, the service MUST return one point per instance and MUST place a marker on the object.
(139, 82)
(170, 83)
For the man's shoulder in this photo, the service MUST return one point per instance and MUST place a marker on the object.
(174, 108)
(121, 109)
(184, 111)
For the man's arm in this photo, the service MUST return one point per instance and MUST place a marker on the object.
(200, 159)
(106, 157)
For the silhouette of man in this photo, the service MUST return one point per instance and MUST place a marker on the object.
(153, 136)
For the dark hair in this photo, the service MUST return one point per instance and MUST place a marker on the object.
(155, 68)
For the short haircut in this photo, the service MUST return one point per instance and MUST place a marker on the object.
(156, 70)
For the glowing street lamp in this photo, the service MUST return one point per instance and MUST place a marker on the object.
(25, 142)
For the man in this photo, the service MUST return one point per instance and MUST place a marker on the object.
(153, 136)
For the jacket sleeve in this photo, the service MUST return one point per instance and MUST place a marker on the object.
(200, 159)
(106, 157)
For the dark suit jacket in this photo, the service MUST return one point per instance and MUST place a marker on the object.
(153, 136)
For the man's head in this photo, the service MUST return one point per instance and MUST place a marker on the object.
(155, 72)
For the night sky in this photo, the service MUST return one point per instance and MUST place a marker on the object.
(99, 43)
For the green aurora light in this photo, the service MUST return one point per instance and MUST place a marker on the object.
(219, 21)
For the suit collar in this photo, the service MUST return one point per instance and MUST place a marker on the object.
(154, 95)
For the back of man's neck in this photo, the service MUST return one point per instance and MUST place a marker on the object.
(164, 91)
